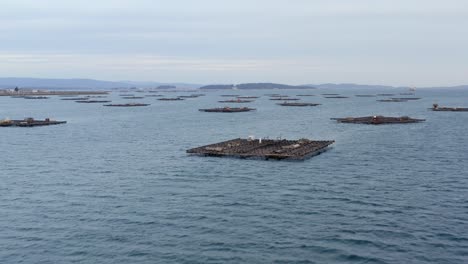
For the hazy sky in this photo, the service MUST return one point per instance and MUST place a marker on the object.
(395, 42)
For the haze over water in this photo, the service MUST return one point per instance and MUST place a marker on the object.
(114, 185)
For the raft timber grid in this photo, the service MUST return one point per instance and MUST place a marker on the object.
(267, 149)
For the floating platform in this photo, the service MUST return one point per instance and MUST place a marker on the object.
(189, 96)
(365, 95)
(126, 105)
(75, 99)
(264, 148)
(30, 122)
(393, 100)
(29, 92)
(96, 96)
(247, 97)
(132, 97)
(385, 94)
(330, 94)
(305, 95)
(436, 107)
(238, 101)
(378, 120)
(171, 99)
(93, 101)
(406, 98)
(229, 95)
(336, 97)
(284, 99)
(35, 97)
(228, 109)
(297, 104)
(279, 95)
(153, 95)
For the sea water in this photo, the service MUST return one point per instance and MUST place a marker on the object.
(115, 185)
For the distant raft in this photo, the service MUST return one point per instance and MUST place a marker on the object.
(247, 97)
(132, 97)
(393, 100)
(436, 107)
(238, 101)
(35, 97)
(96, 96)
(171, 99)
(365, 95)
(407, 98)
(227, 109)
(378, 120)
(92, 101)
(297, 104)
(264, 148)
(30, 122)
(126, 105)
(336, 97)
(285, 99)
(190, 96)
(75, 99)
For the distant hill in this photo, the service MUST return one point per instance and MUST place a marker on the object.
(353, 86)
(378, 87)
(250, 86)
(91, 84)
(166, 87)
(451, 87)
(85, 84)
(217, 87)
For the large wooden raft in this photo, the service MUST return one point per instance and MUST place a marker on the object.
(378, 120)
(265, 148)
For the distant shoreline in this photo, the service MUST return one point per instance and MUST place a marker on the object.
(31, 92)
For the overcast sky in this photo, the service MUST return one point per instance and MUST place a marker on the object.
(394, 42)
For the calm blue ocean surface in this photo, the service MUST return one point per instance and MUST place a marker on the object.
(114, 185)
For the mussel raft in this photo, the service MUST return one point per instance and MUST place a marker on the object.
(75, 99)
(264, 148)
(126, 105)
(247, 97)
(392, 100)
(189, 96)
(378, 120)
(238, 101)
(35, 97)
(227, 109)
(297, 104)
(285, 99)
(171, 99)
(92, 101)
(436, 107)
(132, 97)
(30, 122)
